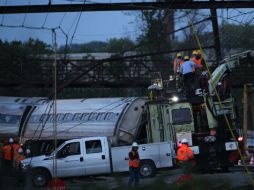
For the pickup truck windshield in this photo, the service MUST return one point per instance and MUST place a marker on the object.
(181, 116)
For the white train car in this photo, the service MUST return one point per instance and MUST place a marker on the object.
(116, 118)
(31, 120)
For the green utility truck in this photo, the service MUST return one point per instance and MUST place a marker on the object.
(207, 118)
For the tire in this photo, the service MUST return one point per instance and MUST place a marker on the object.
(40, 177)
(147, 169)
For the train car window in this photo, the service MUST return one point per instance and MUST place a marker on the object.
(50, 117)
(181, 116)
(93, 116)
(9, 119)
(101, 116)
(68, 117)
(43, 117)
(46, 118)
(111, 116)
(59, 117)
(85, 117)
(77, 116)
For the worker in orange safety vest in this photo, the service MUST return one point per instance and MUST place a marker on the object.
(178, 61)
(16, 147)
(185, 156)
(8, 157)
(197, 57)
(134, 163)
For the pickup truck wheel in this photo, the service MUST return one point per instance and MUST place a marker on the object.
(147, 169)
(40, 177)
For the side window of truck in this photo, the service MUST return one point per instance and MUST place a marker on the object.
(93, 146)
(69, 149)
(181, 116)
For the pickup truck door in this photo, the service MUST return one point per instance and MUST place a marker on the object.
(96, 156)
(166, 155)
(70, 161)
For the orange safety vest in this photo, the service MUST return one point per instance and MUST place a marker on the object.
(8, 152)
(18, 160)
(135, 162)
(184, 153)
(16, 150)
(197, 61)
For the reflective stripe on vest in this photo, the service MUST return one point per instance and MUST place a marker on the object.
(134, 163)
(184, 153)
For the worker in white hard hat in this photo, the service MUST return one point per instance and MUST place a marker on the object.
(134, 163)
(184, 157)
(8, 157)
(20, 176)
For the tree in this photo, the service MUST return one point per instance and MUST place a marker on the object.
(120, 45)
(237, 36)
(19, 63)
(155, 38)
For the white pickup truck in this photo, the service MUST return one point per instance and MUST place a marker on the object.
(94, 156)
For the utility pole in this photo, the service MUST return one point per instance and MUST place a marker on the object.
(245, 115)
(216, 34)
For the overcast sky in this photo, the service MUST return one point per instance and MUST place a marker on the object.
(92, 25)
(99, 26)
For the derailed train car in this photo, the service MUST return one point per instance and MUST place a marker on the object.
(12, 110)
(117, 118)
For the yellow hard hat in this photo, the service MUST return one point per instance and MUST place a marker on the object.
(198, 52)
(178, 55)
(186, 57)
(194, 52)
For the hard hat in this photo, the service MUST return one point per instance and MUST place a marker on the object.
(20, 151)
(178, 55)
(134, 144)
(11, 140)
(194, 52)
(186, 57)
(184, 141)
(198, 52)
(28, 151)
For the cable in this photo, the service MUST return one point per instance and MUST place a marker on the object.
(46, 17)
(24, 20)
(54, 102)
(80, 14)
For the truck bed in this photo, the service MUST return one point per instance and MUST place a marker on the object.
(161, 153)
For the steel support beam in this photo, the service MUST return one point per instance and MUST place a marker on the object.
(179, 4)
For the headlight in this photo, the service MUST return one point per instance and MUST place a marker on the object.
(24, 166)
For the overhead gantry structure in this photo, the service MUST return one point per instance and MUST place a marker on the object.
(211, 5)
(170, 4)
